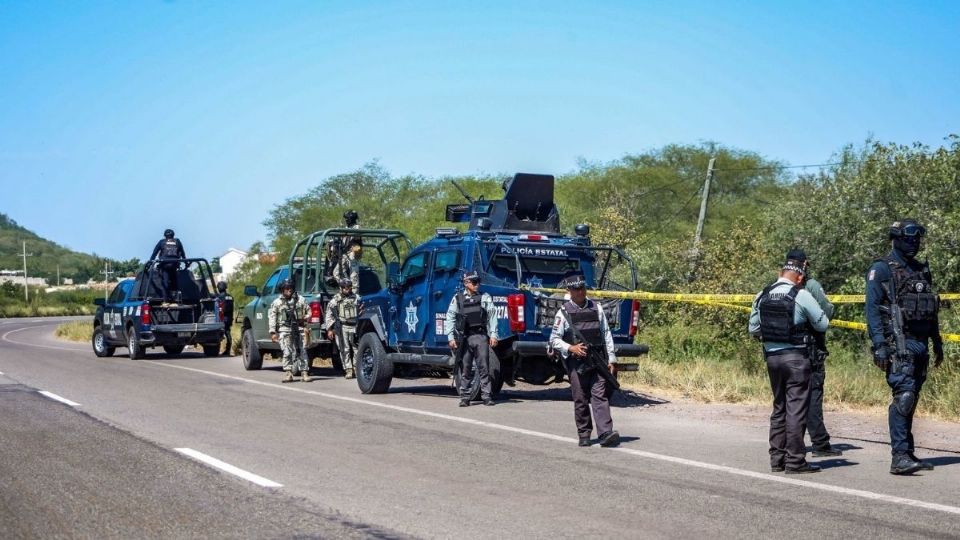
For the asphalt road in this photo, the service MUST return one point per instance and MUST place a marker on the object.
(407, 463)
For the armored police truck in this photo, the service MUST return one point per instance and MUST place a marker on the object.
(515, 244)
(312, 267)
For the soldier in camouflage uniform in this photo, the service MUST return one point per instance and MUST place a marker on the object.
(349, 265)
(285, 321)
(341, 321)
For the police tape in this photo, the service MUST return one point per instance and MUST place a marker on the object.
(724, 300)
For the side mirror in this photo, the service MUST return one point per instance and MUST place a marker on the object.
(99, 301)
(393, 274)
(250, 290)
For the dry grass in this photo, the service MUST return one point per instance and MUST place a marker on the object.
(75, 331)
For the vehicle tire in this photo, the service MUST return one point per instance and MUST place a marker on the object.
(496, 377)
(374, 371)
(211, 349)
(133, 344)
(252, 359)
(100, 347)
(173, 350)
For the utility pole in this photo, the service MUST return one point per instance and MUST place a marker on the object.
(26, 287)
(106, 279)
(58, 274)
(703, 204)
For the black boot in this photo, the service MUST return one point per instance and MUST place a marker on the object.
(924, 465)
(903, 464)
(610, 438)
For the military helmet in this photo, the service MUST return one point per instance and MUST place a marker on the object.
(906, 227)
(472, 276)
(351, 217)
(222, 286)
(346, 283)
(168, 233)
(286, 284)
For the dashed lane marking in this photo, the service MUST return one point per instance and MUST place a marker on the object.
(639, 453)
(55, 397)
(227, 468)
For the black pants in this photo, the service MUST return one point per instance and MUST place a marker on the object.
(819, 437)
(476, 355)
(168, 272)
(589, 391)
(790, 381)
(229, 337)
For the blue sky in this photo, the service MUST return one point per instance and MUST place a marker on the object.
(119, 119)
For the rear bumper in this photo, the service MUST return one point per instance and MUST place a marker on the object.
(186, 334)
(539, 348)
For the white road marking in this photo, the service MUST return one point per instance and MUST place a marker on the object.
(55, 397)
(8, 340)
(226, 467)
(649, 455)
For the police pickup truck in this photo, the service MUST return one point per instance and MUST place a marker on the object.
(514, 244)
(137, 317)
(311, 266)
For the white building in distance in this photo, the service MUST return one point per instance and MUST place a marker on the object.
(230, 261)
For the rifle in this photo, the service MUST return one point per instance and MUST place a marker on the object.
(899, 345)
(595, 359)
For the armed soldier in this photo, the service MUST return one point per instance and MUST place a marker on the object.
(285, 321)
(582, 336)
(349, 265)
(227, 302)
(168, 253)
(902, 318)
(783, 317)
(341, 322)
(471, 328)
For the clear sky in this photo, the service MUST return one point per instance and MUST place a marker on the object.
(119, 119)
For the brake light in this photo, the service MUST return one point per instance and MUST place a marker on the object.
(316, 312)
(515, 304)
(145, 314)
(634, 317)
(532, 238)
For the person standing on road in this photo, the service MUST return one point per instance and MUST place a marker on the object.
(579, 327)
(168, 252)
(341, 323)
(285, 321)
(819, 436)
(783, 317)
(471, 324)
(902, 318)
(226, 300)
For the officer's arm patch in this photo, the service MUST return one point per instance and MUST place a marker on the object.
(873, 274)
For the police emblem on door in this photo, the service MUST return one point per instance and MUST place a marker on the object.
(411, 319)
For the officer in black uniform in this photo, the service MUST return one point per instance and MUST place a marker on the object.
(902, 319)
(168, 252)
(471, 328)
(227, 302)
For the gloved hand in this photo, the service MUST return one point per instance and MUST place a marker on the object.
(937, 353)
(881, 357)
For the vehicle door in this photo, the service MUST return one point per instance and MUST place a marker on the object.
(413, 316)
(113, 312)
(268, 294)
(445, 282)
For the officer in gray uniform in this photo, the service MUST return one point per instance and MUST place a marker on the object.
(579, 326)
(902, 311)
(341, 322)
(285, 320)
(783, 317)
(471, 324)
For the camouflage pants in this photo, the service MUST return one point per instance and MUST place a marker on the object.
(348, 350)
(294, 357)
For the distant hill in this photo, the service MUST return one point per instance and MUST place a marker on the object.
(47, 255)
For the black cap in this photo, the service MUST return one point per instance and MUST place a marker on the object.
(471, 275)
(168, 233)
(575, 282)
(797, 254)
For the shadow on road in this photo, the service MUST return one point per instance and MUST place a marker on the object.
(835, 463)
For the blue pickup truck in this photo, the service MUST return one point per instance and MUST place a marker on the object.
(137, 317)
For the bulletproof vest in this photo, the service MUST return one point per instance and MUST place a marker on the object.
(347, 310)
(777, 316)
(288, 313)
(472, 313)
(170, 250)
(913, 291)
(227, 306)
(586, 320)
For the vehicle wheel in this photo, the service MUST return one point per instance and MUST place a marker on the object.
(374, 371)
(100, 347)
(211, 349)
(252, 359)
(133, 344)
(173, 350)
(496, 377)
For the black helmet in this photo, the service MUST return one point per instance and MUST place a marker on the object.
(351, 217)
(906, 227)
(222, 286)
(286, 284)
(168, 233)
(346, 283)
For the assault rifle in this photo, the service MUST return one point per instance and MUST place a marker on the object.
(899, 345)
(596, 358)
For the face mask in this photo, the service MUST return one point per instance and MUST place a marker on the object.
(908, 245)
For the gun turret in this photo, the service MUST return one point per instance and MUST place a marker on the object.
(527, 206)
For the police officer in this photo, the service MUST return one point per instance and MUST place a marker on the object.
(168, 252)
(341, 322)
(349, 265)
(285, 320)
(227, 301)
(819, 436)
(471, 325)
(902, 318)
(783, 317)
(581, 325)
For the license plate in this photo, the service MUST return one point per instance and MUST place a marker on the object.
(184, 334)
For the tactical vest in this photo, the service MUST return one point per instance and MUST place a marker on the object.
(777, 316)
(347, 310)
(170, 250)
(287, 318)
(472, 314)
(586, 319)
(913, 291)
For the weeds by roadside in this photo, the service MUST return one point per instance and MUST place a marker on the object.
(75, 331)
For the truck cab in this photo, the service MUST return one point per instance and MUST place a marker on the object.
(516, 246)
